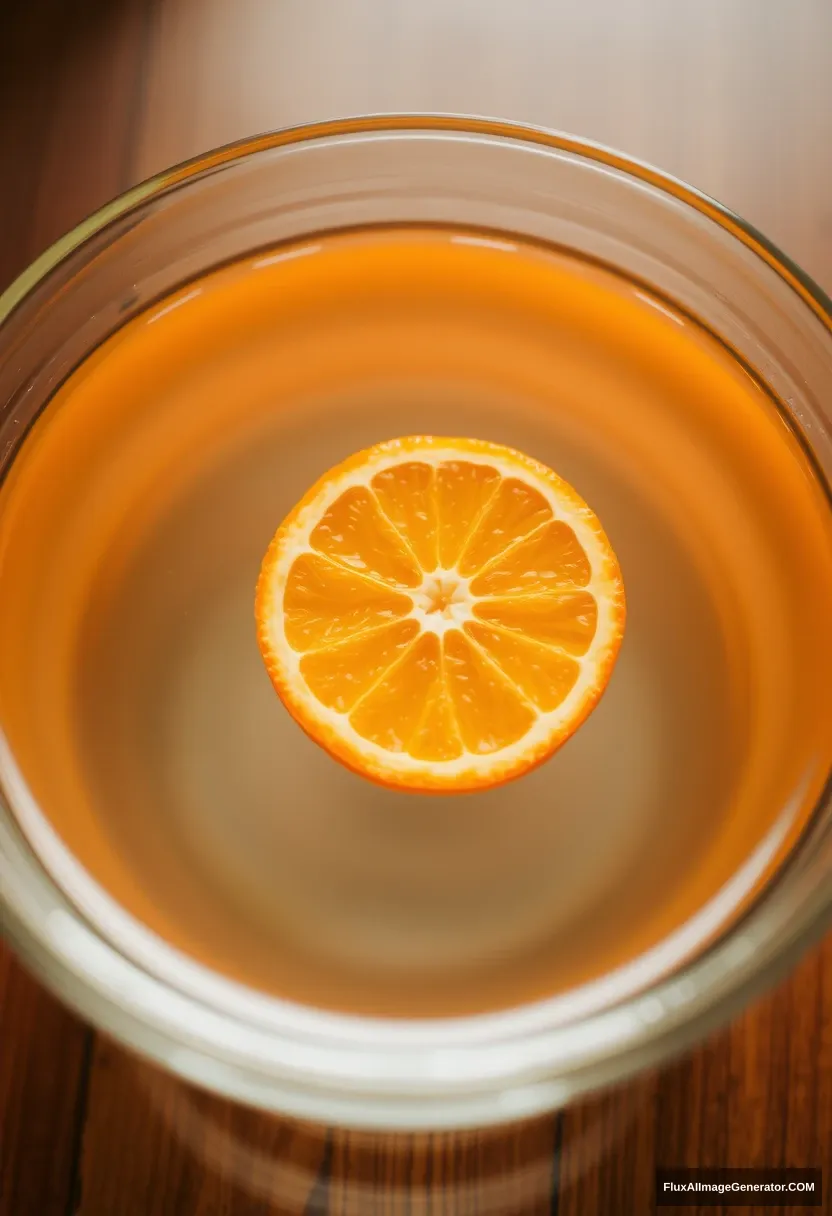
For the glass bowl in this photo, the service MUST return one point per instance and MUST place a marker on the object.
(451, 1072)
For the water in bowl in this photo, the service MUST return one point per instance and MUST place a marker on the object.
(132, 692)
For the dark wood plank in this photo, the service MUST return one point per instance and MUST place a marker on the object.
(758, 1094)
(508, 1170)
(31, 36)
(43, 1062)
(154, 1146)
(608, 1152)
(71, 93)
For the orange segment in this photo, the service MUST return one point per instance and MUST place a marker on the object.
(392, 712)
(407, 497)
(489, 709)
(440, 614)
(354, 531)
(545, 675)
(323, 603)
(547, 560)
(568, 621)
(462, 490)
(338, 675)
(515, 510)
(437, 736)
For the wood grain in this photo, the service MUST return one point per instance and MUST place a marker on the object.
(758, 1094)
(95, 94)
(154, 1145)
(44, 1058)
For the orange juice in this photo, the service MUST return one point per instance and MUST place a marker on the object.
(132, 527)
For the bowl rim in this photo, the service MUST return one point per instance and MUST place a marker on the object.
(434, 121)
(378, 1072)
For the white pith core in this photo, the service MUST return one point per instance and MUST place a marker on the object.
(442, 602)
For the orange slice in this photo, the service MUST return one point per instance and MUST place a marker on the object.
(440, 614)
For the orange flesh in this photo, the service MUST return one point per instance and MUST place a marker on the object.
(443, 684)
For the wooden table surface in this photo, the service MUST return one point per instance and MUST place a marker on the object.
(735, 96)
